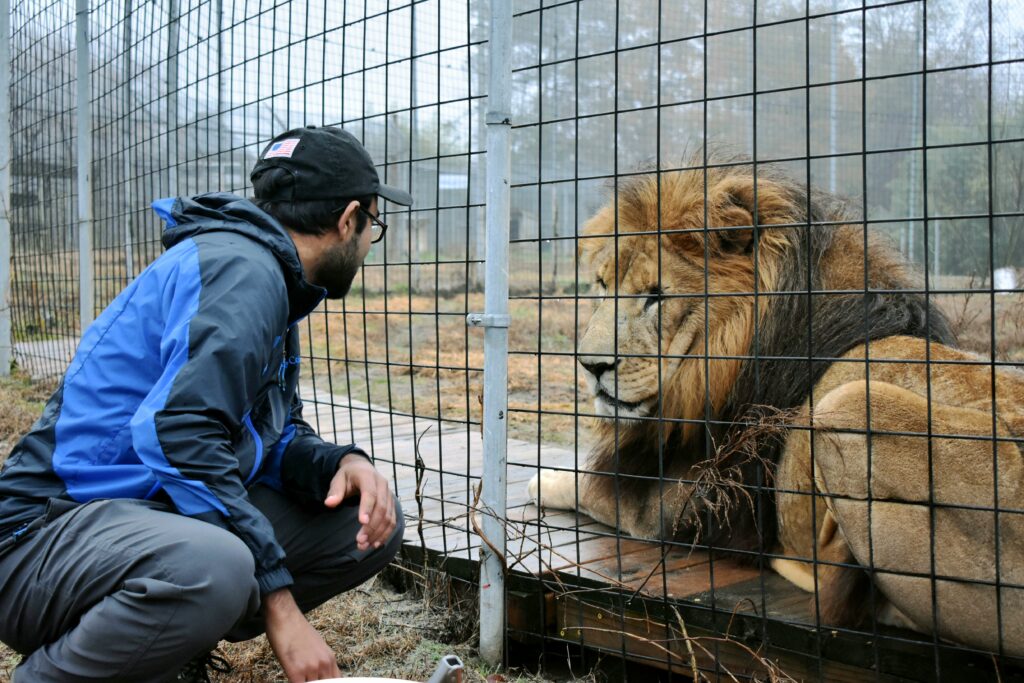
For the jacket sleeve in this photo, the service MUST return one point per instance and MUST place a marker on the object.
(304, 464)
(221, 311)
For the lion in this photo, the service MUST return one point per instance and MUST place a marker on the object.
(735, 369)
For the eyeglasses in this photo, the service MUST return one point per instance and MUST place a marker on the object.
(379, 227)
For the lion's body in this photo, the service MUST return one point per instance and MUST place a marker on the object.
(727, 325)
(919, 393)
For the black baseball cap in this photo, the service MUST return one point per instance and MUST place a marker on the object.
(325, 163)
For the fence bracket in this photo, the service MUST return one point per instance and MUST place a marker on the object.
(487, 320)
(498, 118)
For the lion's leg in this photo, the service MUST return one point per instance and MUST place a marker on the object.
(554, 489)
(812, 553)
(843, 589)
(927, 510)
(591, 494)
(599, 497)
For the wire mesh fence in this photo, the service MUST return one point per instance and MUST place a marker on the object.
(765, 319)
(796, 236)
(43, 192)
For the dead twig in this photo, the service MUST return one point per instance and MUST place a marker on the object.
(689, 645)
(420, 468)
(479, 530)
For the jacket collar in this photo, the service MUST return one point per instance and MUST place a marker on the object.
(187, 217)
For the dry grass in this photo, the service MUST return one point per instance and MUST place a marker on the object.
(378, 630)
(984, 322)
(23, 402)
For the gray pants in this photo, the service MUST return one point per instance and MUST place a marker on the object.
(129, 590)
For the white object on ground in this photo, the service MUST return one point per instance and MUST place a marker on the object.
(1004, 278)
(449, 670)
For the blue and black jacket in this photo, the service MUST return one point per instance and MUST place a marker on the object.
(185, 388)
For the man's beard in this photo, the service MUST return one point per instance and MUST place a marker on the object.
(338, 267)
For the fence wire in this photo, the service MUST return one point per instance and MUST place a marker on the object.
(664, 154)
(635, 122)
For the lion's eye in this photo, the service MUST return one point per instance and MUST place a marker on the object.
(601, 284)
(653, 297)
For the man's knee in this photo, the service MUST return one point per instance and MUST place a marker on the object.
(370, 560)
(215, 573)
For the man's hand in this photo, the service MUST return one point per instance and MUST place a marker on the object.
(376, 505)
(298, 646)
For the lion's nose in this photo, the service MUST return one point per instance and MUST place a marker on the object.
(598, 367)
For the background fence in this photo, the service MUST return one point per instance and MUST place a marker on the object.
(913, 111)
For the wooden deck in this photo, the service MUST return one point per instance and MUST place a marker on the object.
(572, 580)
(45, 358)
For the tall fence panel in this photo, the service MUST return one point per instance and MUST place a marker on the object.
(5, 191)
(184, 96)
(43, 194)
(712, 206)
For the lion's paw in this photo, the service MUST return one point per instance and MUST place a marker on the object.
(553, 489)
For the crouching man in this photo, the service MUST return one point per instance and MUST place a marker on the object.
(171, 494)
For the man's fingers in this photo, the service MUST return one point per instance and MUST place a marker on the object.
(329, 670)
(377, 531)
(339, 485)
(382, 524)
(376, 504)
(392, 515)
(367, 499)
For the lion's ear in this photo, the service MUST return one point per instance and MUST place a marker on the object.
(736, 240)
(737, 207)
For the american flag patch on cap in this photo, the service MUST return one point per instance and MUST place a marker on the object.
(282, 148)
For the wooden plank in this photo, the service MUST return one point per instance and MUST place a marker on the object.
(596, 558)
(530, 513)
(531, 613)
(524, 454)
(343, 420)
(455, 485)
(561, 564)
(528, 554)
(452, 447)
(422, 430)
(768, 594)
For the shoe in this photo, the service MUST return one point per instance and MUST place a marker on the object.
(198, 670)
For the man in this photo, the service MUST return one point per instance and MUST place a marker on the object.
(171, 494)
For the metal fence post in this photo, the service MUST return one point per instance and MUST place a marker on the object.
(5, 188)
(84, 118)
(127, 179)
(173, 29)
(495, 323)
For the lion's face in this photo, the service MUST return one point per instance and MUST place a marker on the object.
(638, 318)
(654, 303)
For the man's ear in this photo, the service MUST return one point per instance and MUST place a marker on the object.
(348, 221)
